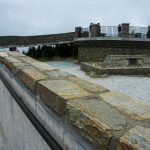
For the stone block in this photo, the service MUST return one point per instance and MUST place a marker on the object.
(17, 67)
(146, 60)
(95, 120)
(15, 54)
(91, 87)
(26, 59)
(139, 62)
(58, 74)
(3, 54)
(42, 66)
(137, 138)
(134, 109)
(8, 62)
(55, 93)
(30, 75)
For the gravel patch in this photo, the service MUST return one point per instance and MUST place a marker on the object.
(136, 87)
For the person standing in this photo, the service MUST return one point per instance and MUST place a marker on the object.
(90, 27)
(119, 30)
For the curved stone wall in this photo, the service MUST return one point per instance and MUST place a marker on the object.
(39, 39)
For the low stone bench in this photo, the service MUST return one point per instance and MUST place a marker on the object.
(100, 116)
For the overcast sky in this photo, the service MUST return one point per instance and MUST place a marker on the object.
(33, 17)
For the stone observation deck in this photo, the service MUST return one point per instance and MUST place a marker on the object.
(105, 120)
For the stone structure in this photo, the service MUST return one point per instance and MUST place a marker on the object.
(126, 61)
(11, 41)
(97, 50)
(125, 30)
(78, 32)
(120, 64)
(134, 139)
(101, 119)
(13, 49)
(39, 39)
(97, 69)
(95, 30)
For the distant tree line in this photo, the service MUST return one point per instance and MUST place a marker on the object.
(52, 52)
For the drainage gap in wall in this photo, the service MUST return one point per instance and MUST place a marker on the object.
(132, 61)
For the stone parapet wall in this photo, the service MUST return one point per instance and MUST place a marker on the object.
(39, 39)
(100, 116)
(125, 30)
(97, 54)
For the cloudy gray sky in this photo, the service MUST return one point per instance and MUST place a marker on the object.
(33, 17)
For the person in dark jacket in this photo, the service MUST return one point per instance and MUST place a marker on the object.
(119, 30)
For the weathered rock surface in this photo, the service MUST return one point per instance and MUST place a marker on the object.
(95, 120)
(30, 76)
(56, 92)
(88, 85)
(8, 62)
(57, 74)
(137, 138)
(137, 110)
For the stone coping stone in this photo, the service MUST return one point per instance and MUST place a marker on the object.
(98, 39)
(128, 56)
(91, 87)
(42, 66)
(26, 59)
(30, 76)
(137, 138)
(8, 62)
(16, 68)
(133, 108)
(95, 120)
(55, 93)
(57, 74)
(15, 54)
(3, 54)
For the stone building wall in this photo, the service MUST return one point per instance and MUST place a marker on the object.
(125, 30)
(97, 51)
